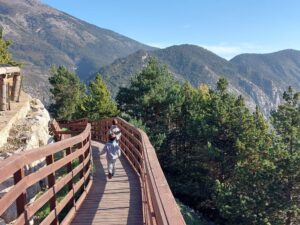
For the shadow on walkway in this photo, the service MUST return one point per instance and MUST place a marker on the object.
(89, 208)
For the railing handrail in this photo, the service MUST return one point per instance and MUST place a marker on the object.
(16, 161)
(77, 147)
(159, 205)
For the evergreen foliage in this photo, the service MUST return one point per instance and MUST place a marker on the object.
(148, 98)
(219, 158)
(5, 55)
(67, 92)
(99, 104)
(71, 99)
(286, 121)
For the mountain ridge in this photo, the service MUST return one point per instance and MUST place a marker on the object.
(198, 65)
(44, 36)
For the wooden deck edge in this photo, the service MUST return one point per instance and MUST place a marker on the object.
(71, 215)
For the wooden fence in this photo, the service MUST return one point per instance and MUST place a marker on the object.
(67, 166)
(159, 205)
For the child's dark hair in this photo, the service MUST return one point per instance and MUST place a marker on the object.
(112, 137)
(115, 122)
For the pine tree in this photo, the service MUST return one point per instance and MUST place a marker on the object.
(286, 121)
(67, 93)
(147, 98)
(5, 55)
(99, 103)
(253, 194)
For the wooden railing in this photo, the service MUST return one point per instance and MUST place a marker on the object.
(67, 166)
(159, 205)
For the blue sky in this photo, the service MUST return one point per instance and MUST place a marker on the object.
(226, 27)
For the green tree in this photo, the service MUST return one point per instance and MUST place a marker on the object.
(67, 92)
(216, 134)
(147, 98)
(253, 194)
(218, 157)
(99, 103)
(222, 85)
(286, 121)
(5, 55)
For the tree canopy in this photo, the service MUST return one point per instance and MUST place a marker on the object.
(219, 157)
(67, 92)
(72, 100)
(99, 104)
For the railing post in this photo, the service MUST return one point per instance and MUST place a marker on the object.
(21, 200)
(81, 159)
(86, 153)
(16, 87)
(69, 169)
(90, 163)
(51, 182)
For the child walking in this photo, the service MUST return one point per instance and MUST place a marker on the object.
(114, 129)
(113, 152)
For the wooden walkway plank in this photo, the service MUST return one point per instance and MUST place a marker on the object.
(115, 201)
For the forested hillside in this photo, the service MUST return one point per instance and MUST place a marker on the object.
(260, 78)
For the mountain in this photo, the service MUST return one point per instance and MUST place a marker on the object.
(273, 72)
(260, 78)
(44, 36)
(186, 62)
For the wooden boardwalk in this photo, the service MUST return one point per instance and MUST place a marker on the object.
(115, 201)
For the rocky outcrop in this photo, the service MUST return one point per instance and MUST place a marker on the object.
(26, 133)
(18, 110)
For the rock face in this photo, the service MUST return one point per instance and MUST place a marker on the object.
(18, 111)
(27, 133)
(38, 119)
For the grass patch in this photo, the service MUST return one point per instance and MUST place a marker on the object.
(75, 163)
(42, 214)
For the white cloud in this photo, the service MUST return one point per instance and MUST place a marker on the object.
(223, 49)
(158, 44)
(228, 51)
